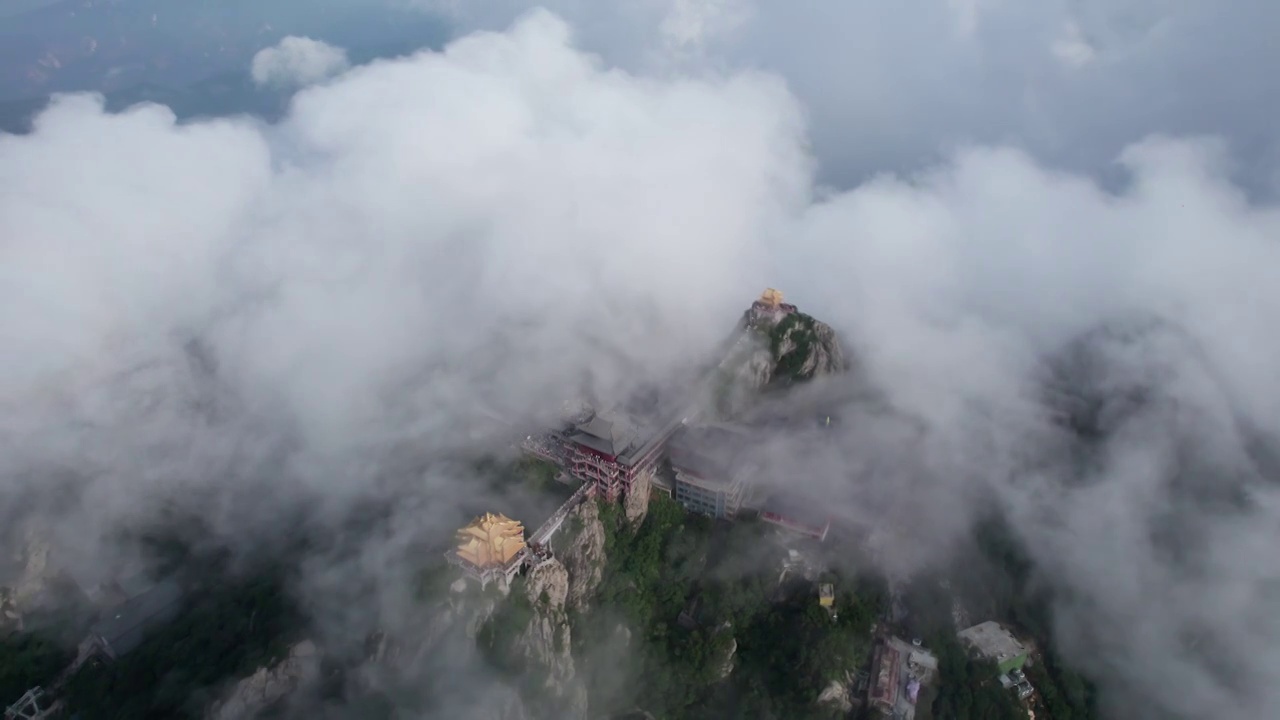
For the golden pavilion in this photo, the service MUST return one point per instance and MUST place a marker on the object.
(491, 547)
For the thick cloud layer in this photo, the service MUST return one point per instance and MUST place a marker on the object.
(234, 314)
(896, 85)
(297, 61)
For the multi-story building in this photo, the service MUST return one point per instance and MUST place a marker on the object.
(611, 454)
(709, 474)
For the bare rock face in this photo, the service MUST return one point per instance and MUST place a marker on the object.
(547, 585)
(635, 503)
(36, 574)
(756, 371)
(726, 663)
(546, 642)
(837, 696)
(775, 348)
(10, 616)
(806, 348)
(27, 582)
(584, 558)
(267, 685)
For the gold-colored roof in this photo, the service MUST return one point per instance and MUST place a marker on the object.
(771, 297)
(492, 539)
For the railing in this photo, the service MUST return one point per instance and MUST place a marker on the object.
(553, 523)
(814, 530)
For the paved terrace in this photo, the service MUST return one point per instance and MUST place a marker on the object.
(547, 446)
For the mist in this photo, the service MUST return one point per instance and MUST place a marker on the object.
(428, 255)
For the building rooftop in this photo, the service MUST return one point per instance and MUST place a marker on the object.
(711, 453)
(127, 626)
(883, 690)
(770, 297)
(491, 540)
(611, 437)
(993, 641)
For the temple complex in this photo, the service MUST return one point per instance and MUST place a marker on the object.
(491, 548)
(608, 451)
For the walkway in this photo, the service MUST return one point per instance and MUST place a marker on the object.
(543, 534)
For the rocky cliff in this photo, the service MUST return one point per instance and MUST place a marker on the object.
(635, 503)
(804, 348)
(28, 580)
(775, 350)
(443, 644)
(546, 640)
(838, 695)
(584, 556)
(725, 662)
(269, 684)
(791, 347)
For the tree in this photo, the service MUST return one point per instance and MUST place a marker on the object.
(28, 660)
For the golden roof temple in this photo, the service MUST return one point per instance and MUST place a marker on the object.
(491, 540)
(770, 298)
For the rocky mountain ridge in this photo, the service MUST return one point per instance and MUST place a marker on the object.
(268, 684)
(775, 349)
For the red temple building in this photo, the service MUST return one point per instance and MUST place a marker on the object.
(611, 455)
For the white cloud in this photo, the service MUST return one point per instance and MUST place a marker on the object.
(915, 80)
(425, 241)
(297, 61)
(691, 24)
(1071, 47)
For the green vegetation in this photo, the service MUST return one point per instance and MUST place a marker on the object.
(229, 629)
(1065, 695)
(538, 474)
(28, 660)
(797, 328)
(787, 647)
(792, 650)
(1000, 583)
(498, 636)
(433, 581)
(969, 688)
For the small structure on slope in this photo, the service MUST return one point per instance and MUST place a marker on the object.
(827, 598)
(992, 641)
(490, 548)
